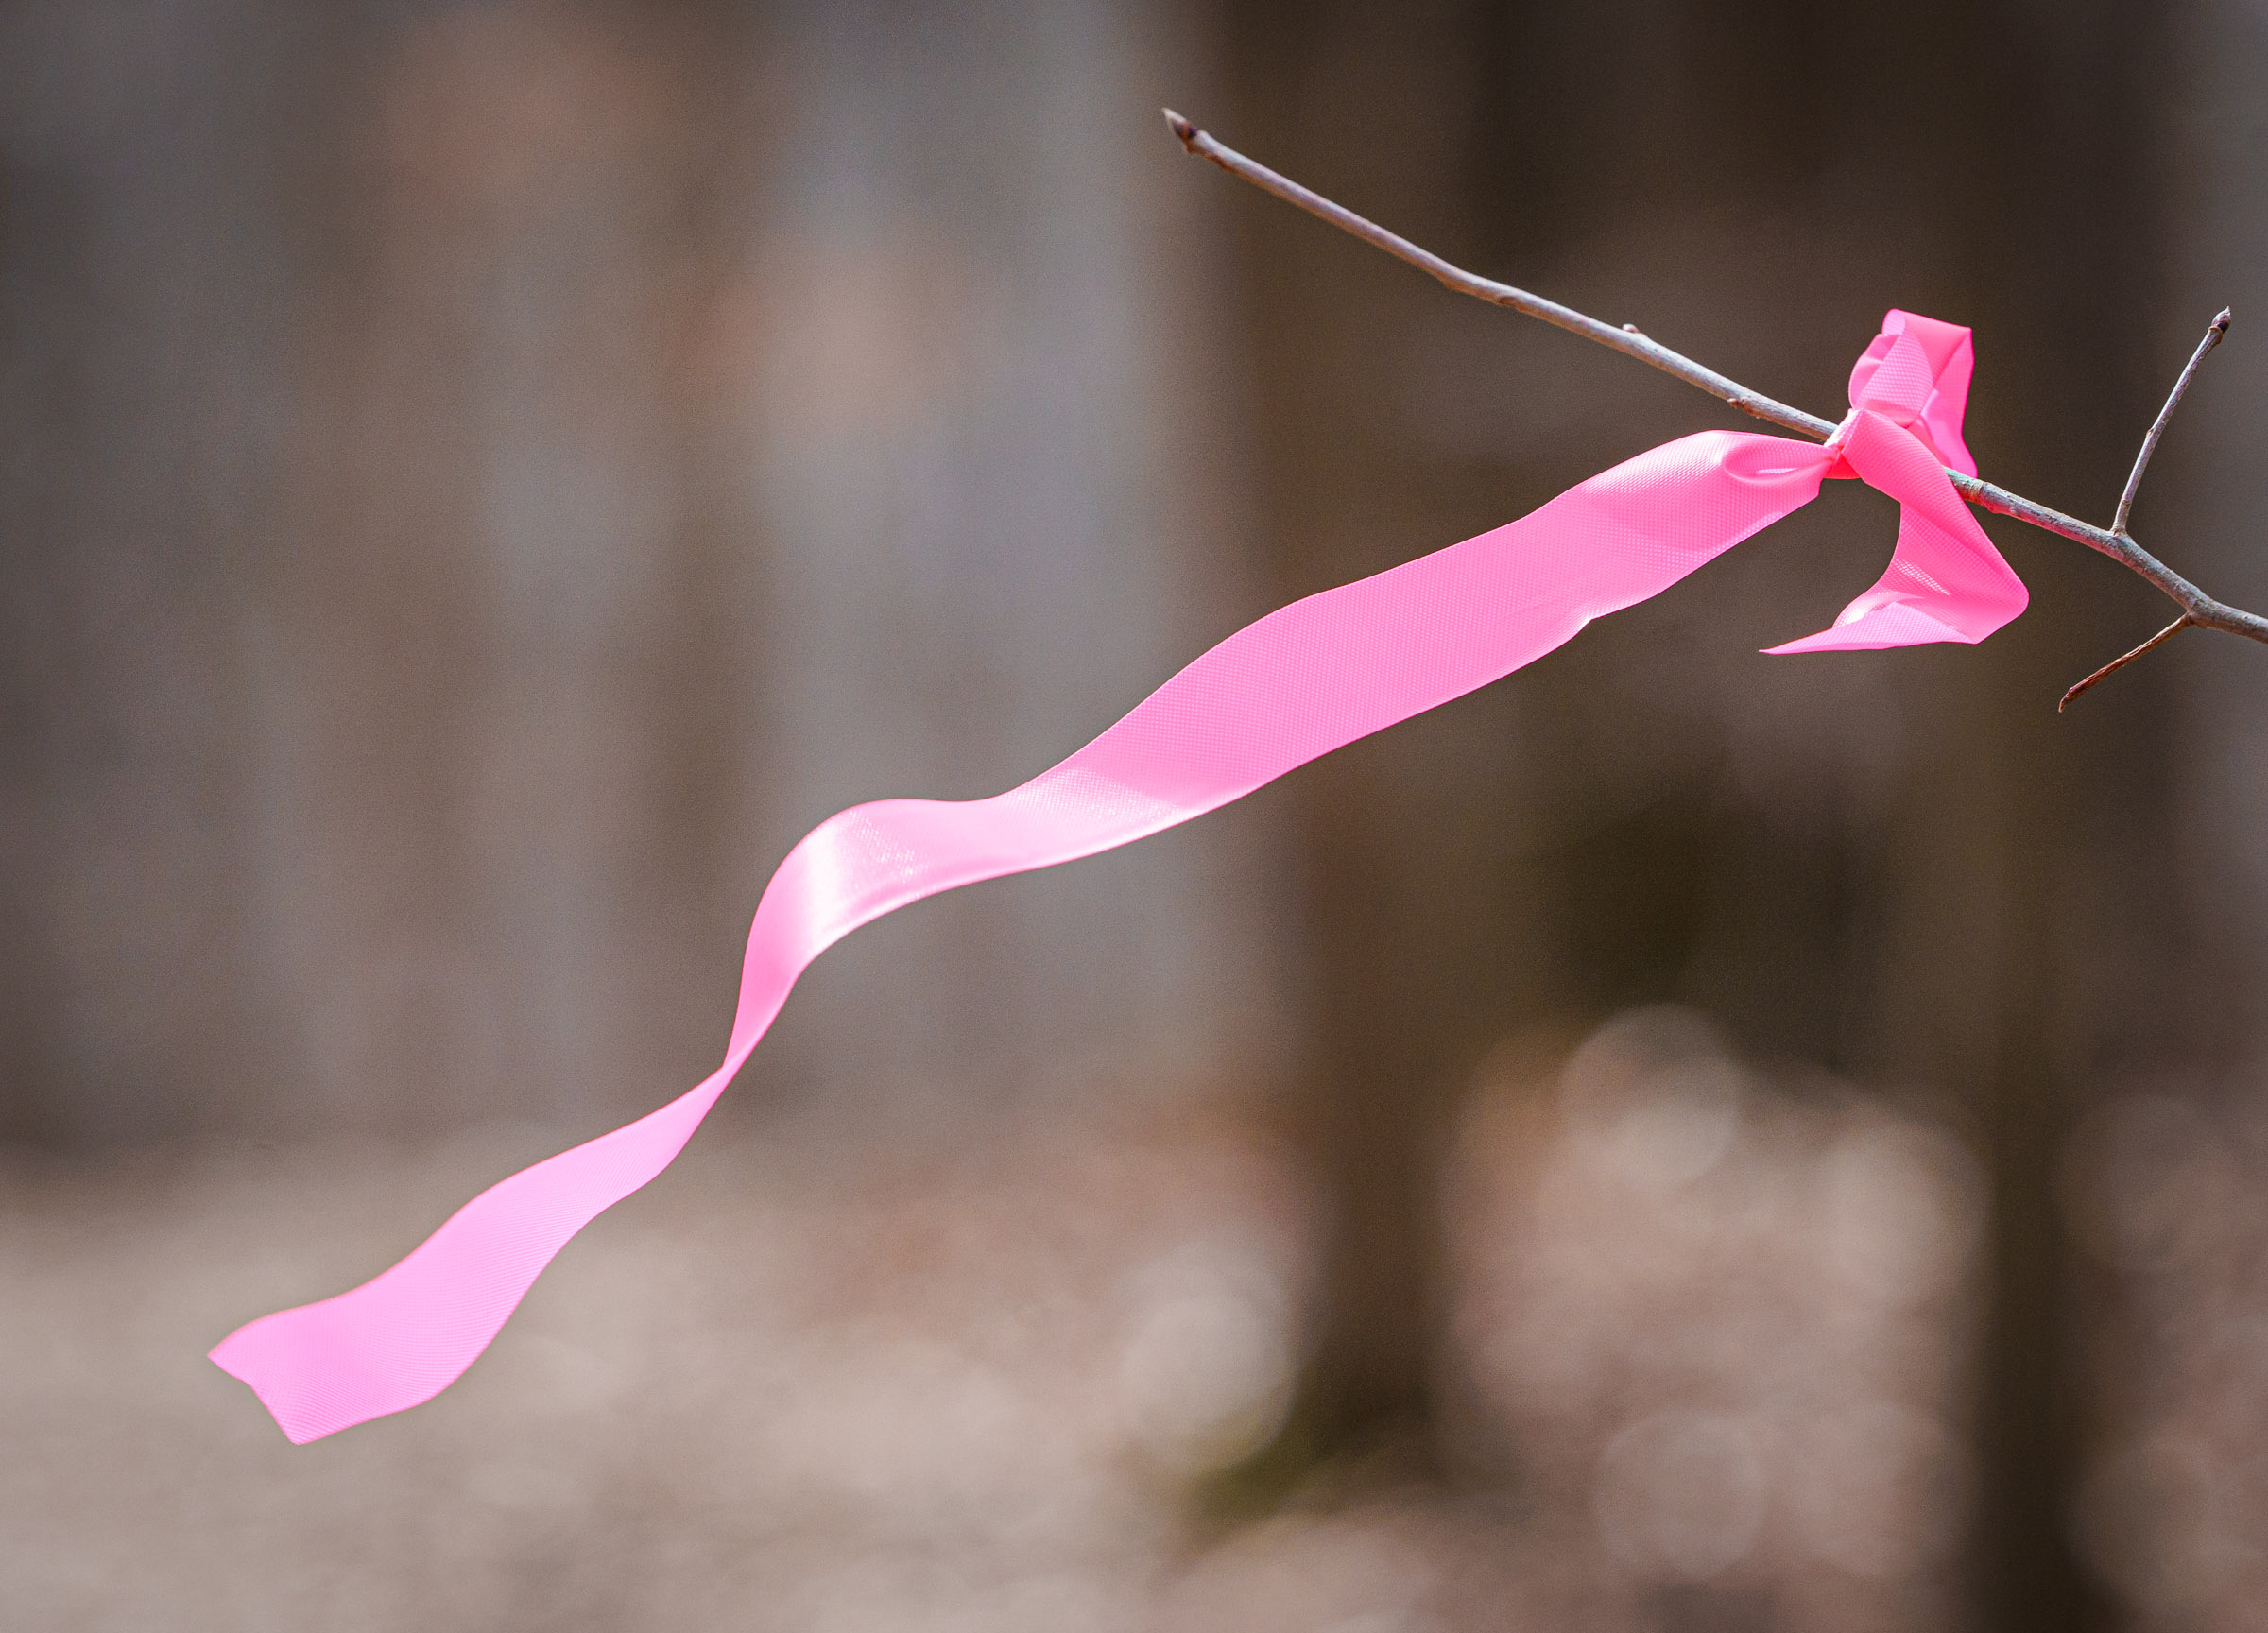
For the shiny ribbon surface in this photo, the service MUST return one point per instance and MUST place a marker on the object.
(1303, 680)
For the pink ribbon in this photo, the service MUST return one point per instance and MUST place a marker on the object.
(1296, 684)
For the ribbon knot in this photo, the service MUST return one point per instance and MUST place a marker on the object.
(1305, 679)
(1909, 391)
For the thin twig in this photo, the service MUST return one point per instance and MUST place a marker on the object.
(2197, 607)
(1627, 340)
(2118, 663)
(2213, 332)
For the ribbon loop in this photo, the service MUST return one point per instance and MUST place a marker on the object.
(1926, 389)
(1305, 679)
(1898, 384)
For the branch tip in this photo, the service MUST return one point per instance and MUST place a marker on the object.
(1187, 133)
(2213, 332)
(2118, 663)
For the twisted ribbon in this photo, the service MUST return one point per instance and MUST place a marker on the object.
(1302, 681)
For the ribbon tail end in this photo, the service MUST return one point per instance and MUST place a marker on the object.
(231, 1358)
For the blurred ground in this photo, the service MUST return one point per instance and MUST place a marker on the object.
(1711, 1337)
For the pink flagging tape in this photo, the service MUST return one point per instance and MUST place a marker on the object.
(1302, 681)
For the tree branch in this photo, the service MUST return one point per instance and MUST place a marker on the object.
(2197, 607)
(2118, 663)
(2213, 332)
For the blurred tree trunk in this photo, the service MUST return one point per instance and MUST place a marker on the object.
(1933, 880)
(493, 477)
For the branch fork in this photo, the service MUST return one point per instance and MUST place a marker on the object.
(2198, 610)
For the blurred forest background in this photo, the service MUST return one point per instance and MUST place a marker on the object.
(1679, 1141)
